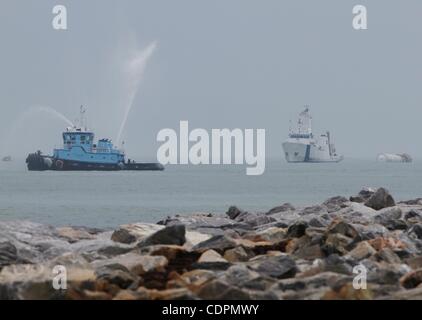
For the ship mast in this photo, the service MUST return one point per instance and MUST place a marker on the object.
(82, 111)
(305, 122)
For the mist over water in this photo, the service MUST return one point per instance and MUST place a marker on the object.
(134, 71)
(28, 121)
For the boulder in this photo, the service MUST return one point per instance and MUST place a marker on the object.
(254, 220)
(175, 234)
(412, 294)
(417, 201)
(112, 251)
(337, 264)
(413, 214)
(212, 260)
(123, 236)
(415, 231)
(283, 208)
(309, 252)
(116, 274)
(195, 279)
(73, 234)
(337, 243)
(297, 230)
(221, 290)
(130, 233)
(237, 254)
(380, 199)
(415, 262)
(363, 195)
(343, 228)
(319, 281)
(8, 254)
(135, 263)
(179, 258)
(335, 203)
(314, 210)
(412, 279)
(219, 243)
(389, 256)
(280, 267)
(390, 218)
(238, 275)
(362, 251)
(233, 212)
(271, 234)
(348, 292)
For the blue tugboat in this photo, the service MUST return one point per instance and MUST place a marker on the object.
(80, 152)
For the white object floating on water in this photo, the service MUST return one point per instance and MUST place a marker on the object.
(394, 157)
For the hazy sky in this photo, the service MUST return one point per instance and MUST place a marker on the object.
(219, 63)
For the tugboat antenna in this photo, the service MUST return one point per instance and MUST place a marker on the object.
(82, 117)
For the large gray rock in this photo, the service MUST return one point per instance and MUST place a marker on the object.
(212, 260)
(116, 274)
(280, 267)
(363, 195)
(123, 236)
(297, 230)
(343, 228)
(390, 218)
(233, 212)
(416, 231)
(8, 254)
(219, 243)
(380, 199)
(335, 203)
(175, 234)
(283, 208)
(135, 263)
(254, 220)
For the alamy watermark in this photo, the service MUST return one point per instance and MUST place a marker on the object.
(201, 147)
(59, 277)
(360, 280)
(359, 20)
(60, 17)
(360, 17)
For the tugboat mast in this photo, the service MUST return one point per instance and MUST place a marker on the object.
(82, 111)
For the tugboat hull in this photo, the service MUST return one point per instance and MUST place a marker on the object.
(39, 162)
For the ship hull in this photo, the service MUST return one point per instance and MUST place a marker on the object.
(37, 162)
(305, 152)
(296, 152)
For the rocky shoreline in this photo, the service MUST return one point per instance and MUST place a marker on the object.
(285, 253)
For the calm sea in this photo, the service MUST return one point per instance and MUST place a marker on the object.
(107, 199)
